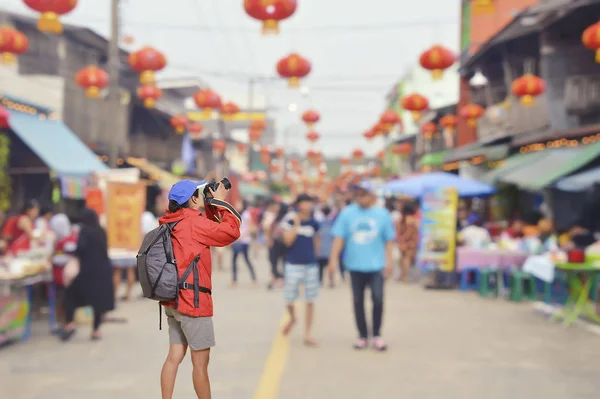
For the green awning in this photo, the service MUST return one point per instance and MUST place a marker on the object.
(555, 164)
(515, 162)
(491, 153)
(433, 159)
(462, 153)
(55, 144)
(496, 152)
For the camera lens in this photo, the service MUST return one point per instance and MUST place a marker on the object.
(226, 183)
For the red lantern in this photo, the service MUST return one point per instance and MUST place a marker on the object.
(270, 12)
(311, 117)
(229, 110)
(591, 39)
(345, 161)
(293, 67)
(381, 129)
(50, 10)
(179, 123)
(12, 43)
(449, 122)
(369, 134)
(428, 130)
(388, 119)
(265, 155)
(195, 130)
(274, 168)
(380, 155)
(312, 137)
(402, 149)
(4, 117)
(527, 87)
(219, 146)
(92, 79)
(471, 112)
(146, 62)
(376, 171)
(358, 155)
(258, 124)
(255, 136)
(437, 59)
(415, 103)
(208, 101)
(149, 94)
(242, 147)
(279, 152)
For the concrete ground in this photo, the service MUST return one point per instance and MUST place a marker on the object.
(442, 345)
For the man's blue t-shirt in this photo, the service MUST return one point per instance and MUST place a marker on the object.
(365, 232)
(302, 251)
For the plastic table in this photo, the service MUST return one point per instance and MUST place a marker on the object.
(580, 278)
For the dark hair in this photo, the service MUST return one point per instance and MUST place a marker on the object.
(45, 210)
(326, 210)
(88, 217)
(29, 205)
(389, 204)
(174, 206)
(408, 210)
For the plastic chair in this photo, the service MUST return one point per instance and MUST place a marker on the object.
(522, 285)
(469, 279)
(488, 282)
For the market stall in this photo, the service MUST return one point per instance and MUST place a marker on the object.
(18, 276)
(438, 193)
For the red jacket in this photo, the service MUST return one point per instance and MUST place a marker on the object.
(194, 235)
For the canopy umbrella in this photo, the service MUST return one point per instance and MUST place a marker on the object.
(416, 185)
(579, 182)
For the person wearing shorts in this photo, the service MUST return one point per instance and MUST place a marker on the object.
(197, 226)
(300, 236)
(197, 333)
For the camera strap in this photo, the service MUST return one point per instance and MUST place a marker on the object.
(227, 206)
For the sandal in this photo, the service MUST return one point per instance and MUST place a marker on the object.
(379, 344)
(66, 335)
(361, 344)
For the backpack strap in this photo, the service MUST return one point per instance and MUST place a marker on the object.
(169, 251)
(182, 284)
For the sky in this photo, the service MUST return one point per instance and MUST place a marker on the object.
(358, 50)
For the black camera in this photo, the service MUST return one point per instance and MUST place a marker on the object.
(213, 186)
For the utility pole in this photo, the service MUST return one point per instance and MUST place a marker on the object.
(113, 106)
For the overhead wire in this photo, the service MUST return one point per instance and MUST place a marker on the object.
(317, 29)
(216, 49)
(252, 64)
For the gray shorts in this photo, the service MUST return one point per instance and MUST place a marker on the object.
(197, 332)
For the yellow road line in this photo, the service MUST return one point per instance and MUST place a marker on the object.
(268, 386)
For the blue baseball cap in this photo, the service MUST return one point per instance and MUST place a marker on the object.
(183, 190)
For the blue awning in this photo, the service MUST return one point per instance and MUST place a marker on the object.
(56, 145)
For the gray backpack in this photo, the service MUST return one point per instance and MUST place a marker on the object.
(157, 268)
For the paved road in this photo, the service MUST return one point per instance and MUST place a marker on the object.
(442, 345)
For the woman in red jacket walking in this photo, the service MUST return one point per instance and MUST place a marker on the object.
(200, 226)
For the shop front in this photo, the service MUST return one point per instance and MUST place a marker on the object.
(46, 162)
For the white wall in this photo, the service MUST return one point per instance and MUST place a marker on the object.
(41, 90)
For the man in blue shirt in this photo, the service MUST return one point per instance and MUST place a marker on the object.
(366, 233)
(300, 236)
